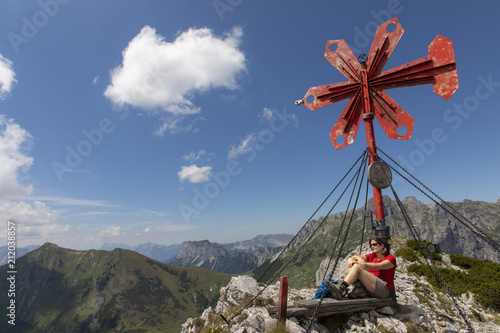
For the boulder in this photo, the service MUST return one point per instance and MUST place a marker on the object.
(238, 288)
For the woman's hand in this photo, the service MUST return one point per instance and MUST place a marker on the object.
(351, 261)
(356, 260)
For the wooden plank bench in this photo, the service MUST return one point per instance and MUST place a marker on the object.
(331, 306)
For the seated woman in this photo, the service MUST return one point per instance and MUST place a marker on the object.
(375, 271)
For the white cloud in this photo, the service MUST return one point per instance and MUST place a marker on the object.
(63, 201)
(174, 125)
(13, 142)
(169, 228)
(91, 213)
(158, 75)
(113, 231)
(267, 114)
(26, 214)
(244, 147)
(249, 143)
(35, 223)
(194, 173)
(194, 156)
(7, 76)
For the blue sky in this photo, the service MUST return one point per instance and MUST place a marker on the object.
(155, 121)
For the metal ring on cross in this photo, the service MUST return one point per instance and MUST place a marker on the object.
(379, 175)
(433, 248)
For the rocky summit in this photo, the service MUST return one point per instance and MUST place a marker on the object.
(421, 307)
(232, 258)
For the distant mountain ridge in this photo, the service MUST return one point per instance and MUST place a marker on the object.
(254, 251)
(435, 225)
(273, 240)
(20, 251)
(65, 290)
(431, 222)
(154, 251)
(233, 258)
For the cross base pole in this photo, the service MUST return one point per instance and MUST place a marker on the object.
(381, 229)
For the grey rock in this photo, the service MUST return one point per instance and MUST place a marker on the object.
(392, 324)
(255, 323)
(363, 316)
(387, 310)
(373, 314)
(238, 288)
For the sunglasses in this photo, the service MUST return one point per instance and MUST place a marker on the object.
(375, 244)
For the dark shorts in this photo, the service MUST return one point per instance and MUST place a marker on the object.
(381, 289)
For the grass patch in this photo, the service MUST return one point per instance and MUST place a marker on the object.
(280, 327)
(407, 254)
(445, 304)
(481, 277)
(417, 247)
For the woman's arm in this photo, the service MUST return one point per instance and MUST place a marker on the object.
(381, 266)
(355, 260)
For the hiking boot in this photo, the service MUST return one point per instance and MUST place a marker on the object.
(344, 292)
(337, 294)
(358, 291)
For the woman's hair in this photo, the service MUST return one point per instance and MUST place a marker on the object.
(387, 247)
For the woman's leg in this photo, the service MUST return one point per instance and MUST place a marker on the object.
(366, 278)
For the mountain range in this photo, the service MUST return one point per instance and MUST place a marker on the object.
(63, 290)
(154, 251)
(233, 258)
(322, 238)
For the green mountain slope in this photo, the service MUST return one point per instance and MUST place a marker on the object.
(63, 290)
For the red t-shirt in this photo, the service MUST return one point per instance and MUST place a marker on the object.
(385, 275)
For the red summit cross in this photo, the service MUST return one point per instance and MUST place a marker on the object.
(366, 83)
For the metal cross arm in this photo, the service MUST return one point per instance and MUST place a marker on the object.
(366, 83)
